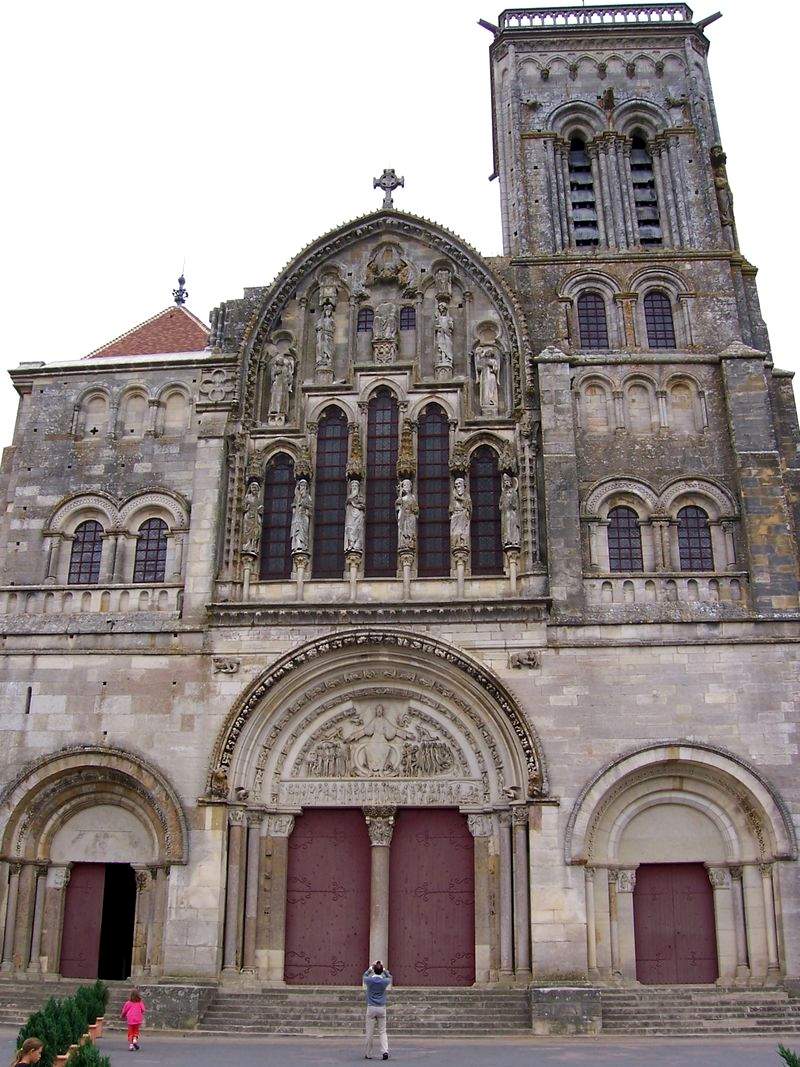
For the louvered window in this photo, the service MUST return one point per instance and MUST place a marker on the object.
(433, 486)
(484, 487)
(658, 319)
(330, 492)
(276, 548)
(624, 540)
(380, 558)
(644, 193)
(150, 563)
(581, 192)
(694, 540)
(87, 548)
(592, 325)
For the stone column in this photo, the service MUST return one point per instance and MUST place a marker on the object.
(153, 407)
(676, 172)
(56, 884)
(380, 825)
(23, 921)
(40, 873)
(206, 512)
(108, 557)
(480, 826)
(121, 572)
(599, 199)
(271, 926)
(506, 898)
(591, 923)
(251, 893)
(142, 920)
(626, 948)
(522, 899)
(742, 967)
(724, 923)
(53, 556)
(773, 966)
(155, 930)
(234, 890)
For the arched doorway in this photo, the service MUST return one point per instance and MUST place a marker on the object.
(99, 917)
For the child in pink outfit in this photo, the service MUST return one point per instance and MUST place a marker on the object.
(133, 1014)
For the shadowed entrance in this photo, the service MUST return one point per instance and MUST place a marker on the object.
(99, 908)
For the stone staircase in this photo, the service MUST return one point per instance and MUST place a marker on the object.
(19, 999)
(330, 1009)
(692, 1011)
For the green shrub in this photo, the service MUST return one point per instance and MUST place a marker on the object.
(88, 1056)
(75, 1020)
(100, 990)
(791, 1059)
(61, 1023)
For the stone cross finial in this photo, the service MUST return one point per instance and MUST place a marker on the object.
(388, 181)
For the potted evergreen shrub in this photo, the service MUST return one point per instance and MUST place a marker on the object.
(791, 1059)
(100, 991)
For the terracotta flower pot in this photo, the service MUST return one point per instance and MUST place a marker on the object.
(61, 1061)
(71, 1049)
(85, 1039)
(99, 1024)
(93, 1034)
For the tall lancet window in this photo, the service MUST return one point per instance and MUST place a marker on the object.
(150, 562)
(276, 552)
(330, 493)
(485, 534)
(644, 192)
(380, 558)
(581, 193)
(433, 487)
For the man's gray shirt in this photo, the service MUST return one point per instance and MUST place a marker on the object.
(377, 985)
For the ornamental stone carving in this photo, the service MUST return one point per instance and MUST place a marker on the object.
(625, 879)
(219, 784)
(388, 266)
(487, 369)
(480, 824)
(225, 665)
(384, 333)
(460, 516)
(720, 877)
(325, 329)
(509, 512)
(301, 518)
(277, 824)
(380, 825)
(443, 326)
(281, 379)
(237, 817)
(529, 658)
(251, 519)
(217, 386)
(354, 517)
(407, 512)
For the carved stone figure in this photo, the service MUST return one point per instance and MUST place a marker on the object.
(444, 283)
(388, 265)
(384, 326)
(281, 382)
(443, 337)
(251, 521)
(328, 289)
(301, 517)
(225, 665)
(219, 783)
(460, 514)
(375, 748)
(487, 367)
(529, 658)
(509, 512)
(354, 516)
(325, 329)
(721, 186)
(407, 512)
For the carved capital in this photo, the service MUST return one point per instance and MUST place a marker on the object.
(237, 817)
(480, 824)
(61, 877)
(766, 870)
(624, 878)
(719, 877)
(504, 818)
(380, 825)
(278, 824)
(519, 816)
(143, 879)
(736, 873)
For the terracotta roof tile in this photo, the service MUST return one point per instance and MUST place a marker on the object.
(172, 330)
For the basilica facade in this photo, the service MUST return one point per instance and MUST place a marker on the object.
(426, 605)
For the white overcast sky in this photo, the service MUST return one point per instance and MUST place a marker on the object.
(227, 135)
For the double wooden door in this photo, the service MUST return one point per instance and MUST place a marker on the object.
(673, 917)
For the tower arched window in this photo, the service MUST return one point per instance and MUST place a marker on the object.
(485, 535)
(433, 488)
(380, 558)
(366, 317)
(408, 318)
(330, 495)
(276, 549)
(645, 196)
(581, 194)
(592, 324)
(624, 540)
(150, 562)
(694, 540)
(658, 320)
(87, 548)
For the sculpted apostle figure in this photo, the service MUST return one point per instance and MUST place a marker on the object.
(301, 517)
(407, 511)
(325, 329)
(282, 378)
(354, 514)
(384, 325)
(509, 512)
(374, 747)
(251, 522)
(460, 514)
(443, 336)
(487, 365)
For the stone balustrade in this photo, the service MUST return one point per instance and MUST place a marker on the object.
(612, 14)
(65, 600)
(722, 591)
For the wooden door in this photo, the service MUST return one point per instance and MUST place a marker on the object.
(432, 899)
(83, 912)
(327, 898)
(673, 917)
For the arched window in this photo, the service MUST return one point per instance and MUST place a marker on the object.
(484, 487)
(330, 495)
(380, 559)
(644, 192)
(581, 193)
(694, 540)
(276, 550)
(433, 487)
(150, 563)
(87, 548)
(658, 319)
(366, 317)
(592, 325)
(408, 318)
(624, 540)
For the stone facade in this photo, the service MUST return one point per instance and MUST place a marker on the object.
(587, 711)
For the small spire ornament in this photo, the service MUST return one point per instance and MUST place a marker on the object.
(181, 294)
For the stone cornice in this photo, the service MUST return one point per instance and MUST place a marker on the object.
(253, 614)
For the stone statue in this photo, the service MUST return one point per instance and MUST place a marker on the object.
(219, 783)
(460, 513)
(384, 326)
(354, 515)
(444, 282)
(251, 522)
(375, 749)
(487, 366)
(443, 336)
(721, 186)
(281, 382)
(325, 329)
(301, 517)
(407, 511)
(509, 512)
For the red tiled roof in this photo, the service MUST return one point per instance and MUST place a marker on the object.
(172, 330)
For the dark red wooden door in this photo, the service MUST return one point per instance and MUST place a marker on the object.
(432, 899)
(673, 918)
(327, 898)
(83, 913)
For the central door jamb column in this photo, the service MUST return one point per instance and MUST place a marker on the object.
(380, 826)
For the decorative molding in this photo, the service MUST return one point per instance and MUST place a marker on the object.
(529, 658)
(251, 613)
(380, 825)
(720, 877)
(277, 824)
(480, 824)
(225, 665)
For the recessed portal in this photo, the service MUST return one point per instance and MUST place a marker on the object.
(673, 915)
(99, 912)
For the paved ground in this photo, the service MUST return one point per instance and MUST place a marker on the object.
(192, 1051)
